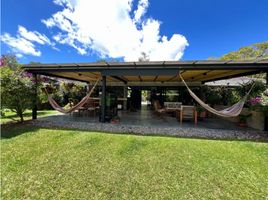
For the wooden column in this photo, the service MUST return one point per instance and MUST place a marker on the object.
(34, 109)
(103, 99)
(266, 117)
(125, 96)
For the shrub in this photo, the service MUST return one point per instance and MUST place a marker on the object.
(17, 90)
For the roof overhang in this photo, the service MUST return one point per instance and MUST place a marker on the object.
(164, 71)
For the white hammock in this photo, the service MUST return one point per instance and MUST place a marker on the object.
(57, 107)
(232, 111)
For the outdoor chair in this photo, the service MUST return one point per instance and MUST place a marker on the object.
(88, 108)
(158, 108)
(72, 103)
(188, 112)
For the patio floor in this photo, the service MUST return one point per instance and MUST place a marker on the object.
(147, 117)
(146, 122)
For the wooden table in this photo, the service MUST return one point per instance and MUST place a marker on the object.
(184, 109)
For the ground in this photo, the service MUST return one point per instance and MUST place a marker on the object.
(43, 163)
(11, 116)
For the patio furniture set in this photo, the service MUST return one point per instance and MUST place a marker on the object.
(181, 111)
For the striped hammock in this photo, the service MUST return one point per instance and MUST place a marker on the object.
(57, 107)
(232, 111)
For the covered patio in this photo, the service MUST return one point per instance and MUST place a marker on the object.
(146, 122)
(147, 117)
(143, 75)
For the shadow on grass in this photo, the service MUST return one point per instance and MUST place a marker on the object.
(14, 115)
(11, 130)
(14, 118)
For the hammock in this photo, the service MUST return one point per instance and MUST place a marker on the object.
(57, 107)
(232, 111)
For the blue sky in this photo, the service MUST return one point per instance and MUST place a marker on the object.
(91, 30)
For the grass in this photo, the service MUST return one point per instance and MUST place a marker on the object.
(12, 117)
(39, 163)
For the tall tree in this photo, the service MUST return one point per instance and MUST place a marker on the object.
(255, 51)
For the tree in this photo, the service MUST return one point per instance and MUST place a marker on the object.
(17, 88)
(144, 57)
(255, 51)
(10, 61)
(252, 52)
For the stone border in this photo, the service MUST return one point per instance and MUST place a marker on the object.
(186, 132)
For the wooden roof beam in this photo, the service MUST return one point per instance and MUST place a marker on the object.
(120, 79)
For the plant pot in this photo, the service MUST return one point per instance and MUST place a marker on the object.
(242, 124)
(115, 121)
(203, 114)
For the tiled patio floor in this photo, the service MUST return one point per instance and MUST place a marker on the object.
(147, 117)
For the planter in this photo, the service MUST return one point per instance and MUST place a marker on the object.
(257, 120)
(242, 124)
(203, 114)
(115, 121)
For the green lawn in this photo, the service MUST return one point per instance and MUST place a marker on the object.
(12, 117)
(69, 164)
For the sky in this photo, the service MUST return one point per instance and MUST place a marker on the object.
(64, 31)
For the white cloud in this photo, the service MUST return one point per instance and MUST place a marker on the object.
(33, 36)
(142, 7)
(20, 45)
(19, 55)
(24, 41)
(48, 22)
(107, 28)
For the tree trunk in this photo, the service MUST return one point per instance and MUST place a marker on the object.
(20, 114)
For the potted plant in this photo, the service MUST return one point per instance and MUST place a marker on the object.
(260, 104)
(202, 113)
(115, 120)
(243, 119)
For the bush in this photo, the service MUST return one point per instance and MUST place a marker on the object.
(213, 95)
(17, 90)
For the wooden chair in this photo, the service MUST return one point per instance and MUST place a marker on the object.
(88, 108)
(92, 107)
(188, 112)
(72, 102)
(158, 108)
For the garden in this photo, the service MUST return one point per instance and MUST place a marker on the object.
(46, 163)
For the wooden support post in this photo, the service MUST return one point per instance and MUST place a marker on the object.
(125, 97)
(34, 108)
(195, 116)
(103, 99)
(202, 95)
(266, 117)
(181, 115)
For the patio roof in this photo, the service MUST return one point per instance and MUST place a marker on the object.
(151, 71)
(235, 81)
